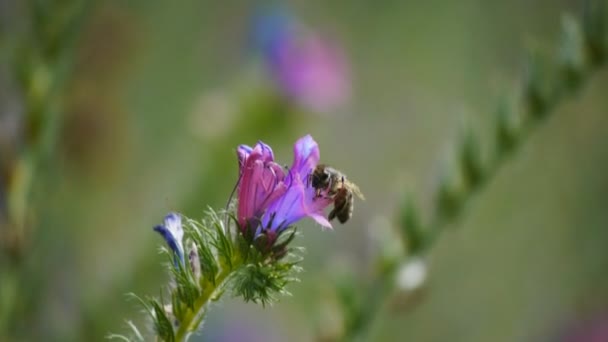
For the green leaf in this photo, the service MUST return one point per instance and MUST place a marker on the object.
(162, 324)
(410, 227)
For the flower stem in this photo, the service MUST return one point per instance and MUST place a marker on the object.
(195, 317)
(378, 292)
(538, 103)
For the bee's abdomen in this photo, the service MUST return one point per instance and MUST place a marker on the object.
(346, 210)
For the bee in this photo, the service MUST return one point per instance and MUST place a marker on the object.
(333, 184)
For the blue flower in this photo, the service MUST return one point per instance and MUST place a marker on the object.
(173, 233)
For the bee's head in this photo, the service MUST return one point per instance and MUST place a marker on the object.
(320, 177)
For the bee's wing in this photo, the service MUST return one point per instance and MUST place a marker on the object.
(355, 189)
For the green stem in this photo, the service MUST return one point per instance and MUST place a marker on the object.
(192, 320)
(376, 296)
(451, 203)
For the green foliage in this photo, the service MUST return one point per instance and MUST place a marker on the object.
(545, 83)
(409, 221)
(187, 290)
(261, 279)
(581, 50)
(472, 164)
(137, 336)
(508, 128)
(595, 30)
(162, 324)
(219, 258)
(40, 55)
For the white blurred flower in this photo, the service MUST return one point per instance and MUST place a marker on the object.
(412, 274)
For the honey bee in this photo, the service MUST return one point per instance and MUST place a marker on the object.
(333, 184)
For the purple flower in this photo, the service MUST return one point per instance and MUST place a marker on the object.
(308, 69)
(299, 200)
(173, 233)
(313, 72)
(269, 200)
(261, 183)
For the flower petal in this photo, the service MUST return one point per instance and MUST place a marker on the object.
(246, 195)
(298, 202)
(173, 233)
(320, 219)
(270, 187)
(314, 207)
(261, 183)
(243, 152)
(287, 209)
(266, 151)
(174, 223)
(305, 156)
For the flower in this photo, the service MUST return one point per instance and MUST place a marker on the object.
(261, 183)
(313, 72)
(268, 200)
(412, 274)
(173, 233)
(299, 200)
(308, 69)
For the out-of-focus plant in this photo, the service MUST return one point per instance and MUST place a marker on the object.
(246, 250)
(41, 63)
(39, 59)
(582, 50)
(308, 69)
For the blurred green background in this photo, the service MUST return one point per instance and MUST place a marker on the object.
(161, 93)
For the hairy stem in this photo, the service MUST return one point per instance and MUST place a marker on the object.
(193, 319)
(540, 97)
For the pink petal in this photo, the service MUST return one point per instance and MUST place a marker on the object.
(305, 156)
(320, 219)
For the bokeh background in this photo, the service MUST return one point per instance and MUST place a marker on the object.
(159, 94)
